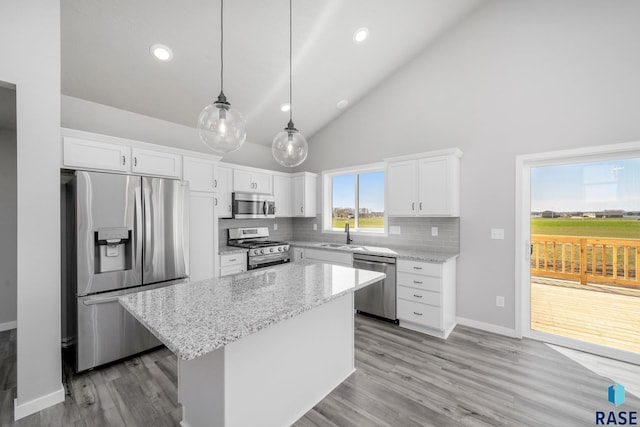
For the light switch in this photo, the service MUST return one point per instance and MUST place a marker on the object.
(497, 233)
(394, 229)
(275, 227)
(315, 227)
(434, 231)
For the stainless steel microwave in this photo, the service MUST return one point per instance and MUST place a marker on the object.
(253, 205)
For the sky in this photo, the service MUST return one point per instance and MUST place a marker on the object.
(371, 191)
(587, 187)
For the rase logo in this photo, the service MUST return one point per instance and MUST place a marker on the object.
(615, 396)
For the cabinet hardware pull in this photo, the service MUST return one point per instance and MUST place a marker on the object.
(301, 209)
(215, 201)
(417, 314)
(417, 296)
(135, 161)
(417, 282)
(215, 183)
(231, 260)
(420, 205)
(413, 206)
(417, 268)
(124, 160)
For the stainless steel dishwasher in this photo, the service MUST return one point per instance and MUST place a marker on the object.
(378, 299)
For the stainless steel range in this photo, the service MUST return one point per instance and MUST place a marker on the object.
(262, 252)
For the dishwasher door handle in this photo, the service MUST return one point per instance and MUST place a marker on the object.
(381, 264)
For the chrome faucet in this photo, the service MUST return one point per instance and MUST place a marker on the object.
(346, 230)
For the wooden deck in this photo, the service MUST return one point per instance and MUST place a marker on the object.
(599, 314)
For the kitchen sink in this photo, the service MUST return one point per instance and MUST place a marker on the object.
(342, 246)
(331, 245)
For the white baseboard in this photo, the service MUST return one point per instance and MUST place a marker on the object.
(489, 327)
(8, 326)
(36, 405)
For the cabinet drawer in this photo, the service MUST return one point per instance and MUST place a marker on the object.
(421, 314)
(232, 269)
(418, 267)
(420, 296)
(426, 283)
(227, 260)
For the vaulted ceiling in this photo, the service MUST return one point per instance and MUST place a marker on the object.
(106, 59)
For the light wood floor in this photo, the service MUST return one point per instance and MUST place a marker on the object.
(597, 314)
(403, 378)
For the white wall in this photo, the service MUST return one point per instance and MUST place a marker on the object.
(30, 52)
(8, 259)
(98, 118)
(516, 77)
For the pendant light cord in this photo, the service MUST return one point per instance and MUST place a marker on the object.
(290, 61)
(221, 47)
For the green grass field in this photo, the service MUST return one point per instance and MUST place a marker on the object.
(377, 222)
(628, 228)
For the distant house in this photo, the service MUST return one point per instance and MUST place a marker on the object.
(610, 213)
(631, 214)
(549, 214)
(589, 215)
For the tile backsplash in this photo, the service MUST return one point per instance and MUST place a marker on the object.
(415, 233)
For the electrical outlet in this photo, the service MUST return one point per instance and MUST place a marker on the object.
(315, 227)
(434, 231)
(394, 229)
(499, 301)
(275, 227)
(497, 233)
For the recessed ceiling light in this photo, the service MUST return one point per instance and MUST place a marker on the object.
(285, 107)
(342, 104)
(360, 35)
(161, 52)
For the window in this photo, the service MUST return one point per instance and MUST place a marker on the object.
(355, 196)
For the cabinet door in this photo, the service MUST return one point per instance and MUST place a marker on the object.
(435, 187)
(329, 256)
(401, 188)
(242, 181)
(201, 236)
(200, 173)
(262, 183)
(298, 196)
(282, 194)
(298, 254)
(81, 153)
(151, 162)
(222, 199)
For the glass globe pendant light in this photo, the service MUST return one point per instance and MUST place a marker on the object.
(290, 147)
(221, 128)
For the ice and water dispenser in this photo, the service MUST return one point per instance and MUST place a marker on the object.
(113, 249)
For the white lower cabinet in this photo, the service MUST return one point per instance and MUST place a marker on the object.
(233, 263)
(426, 296)
(298, 254)
(329, 256)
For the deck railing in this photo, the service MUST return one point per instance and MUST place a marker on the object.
(586, 259)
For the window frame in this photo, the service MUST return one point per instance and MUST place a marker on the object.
(327, 198)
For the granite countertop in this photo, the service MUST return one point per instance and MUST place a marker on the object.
(399, 253)
(225, 250)
(193, 319)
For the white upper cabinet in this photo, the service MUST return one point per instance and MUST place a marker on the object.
(151, 162)
(304, 194)
(200, 173)
(282, 187)
(202, 234)
(252, 182)
(425, 185)
(83, 153)
(222, 199)
(402, 180)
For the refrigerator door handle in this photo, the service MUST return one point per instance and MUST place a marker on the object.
(100, 301)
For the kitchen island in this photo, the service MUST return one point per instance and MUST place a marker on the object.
(259, 348)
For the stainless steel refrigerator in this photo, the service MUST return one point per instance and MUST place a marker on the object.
(131, 234)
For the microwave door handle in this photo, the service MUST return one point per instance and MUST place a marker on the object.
(265, 207)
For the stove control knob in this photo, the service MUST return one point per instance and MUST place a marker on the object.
(279, 248)
(261, 251)
(255, 252)
(270, 249)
